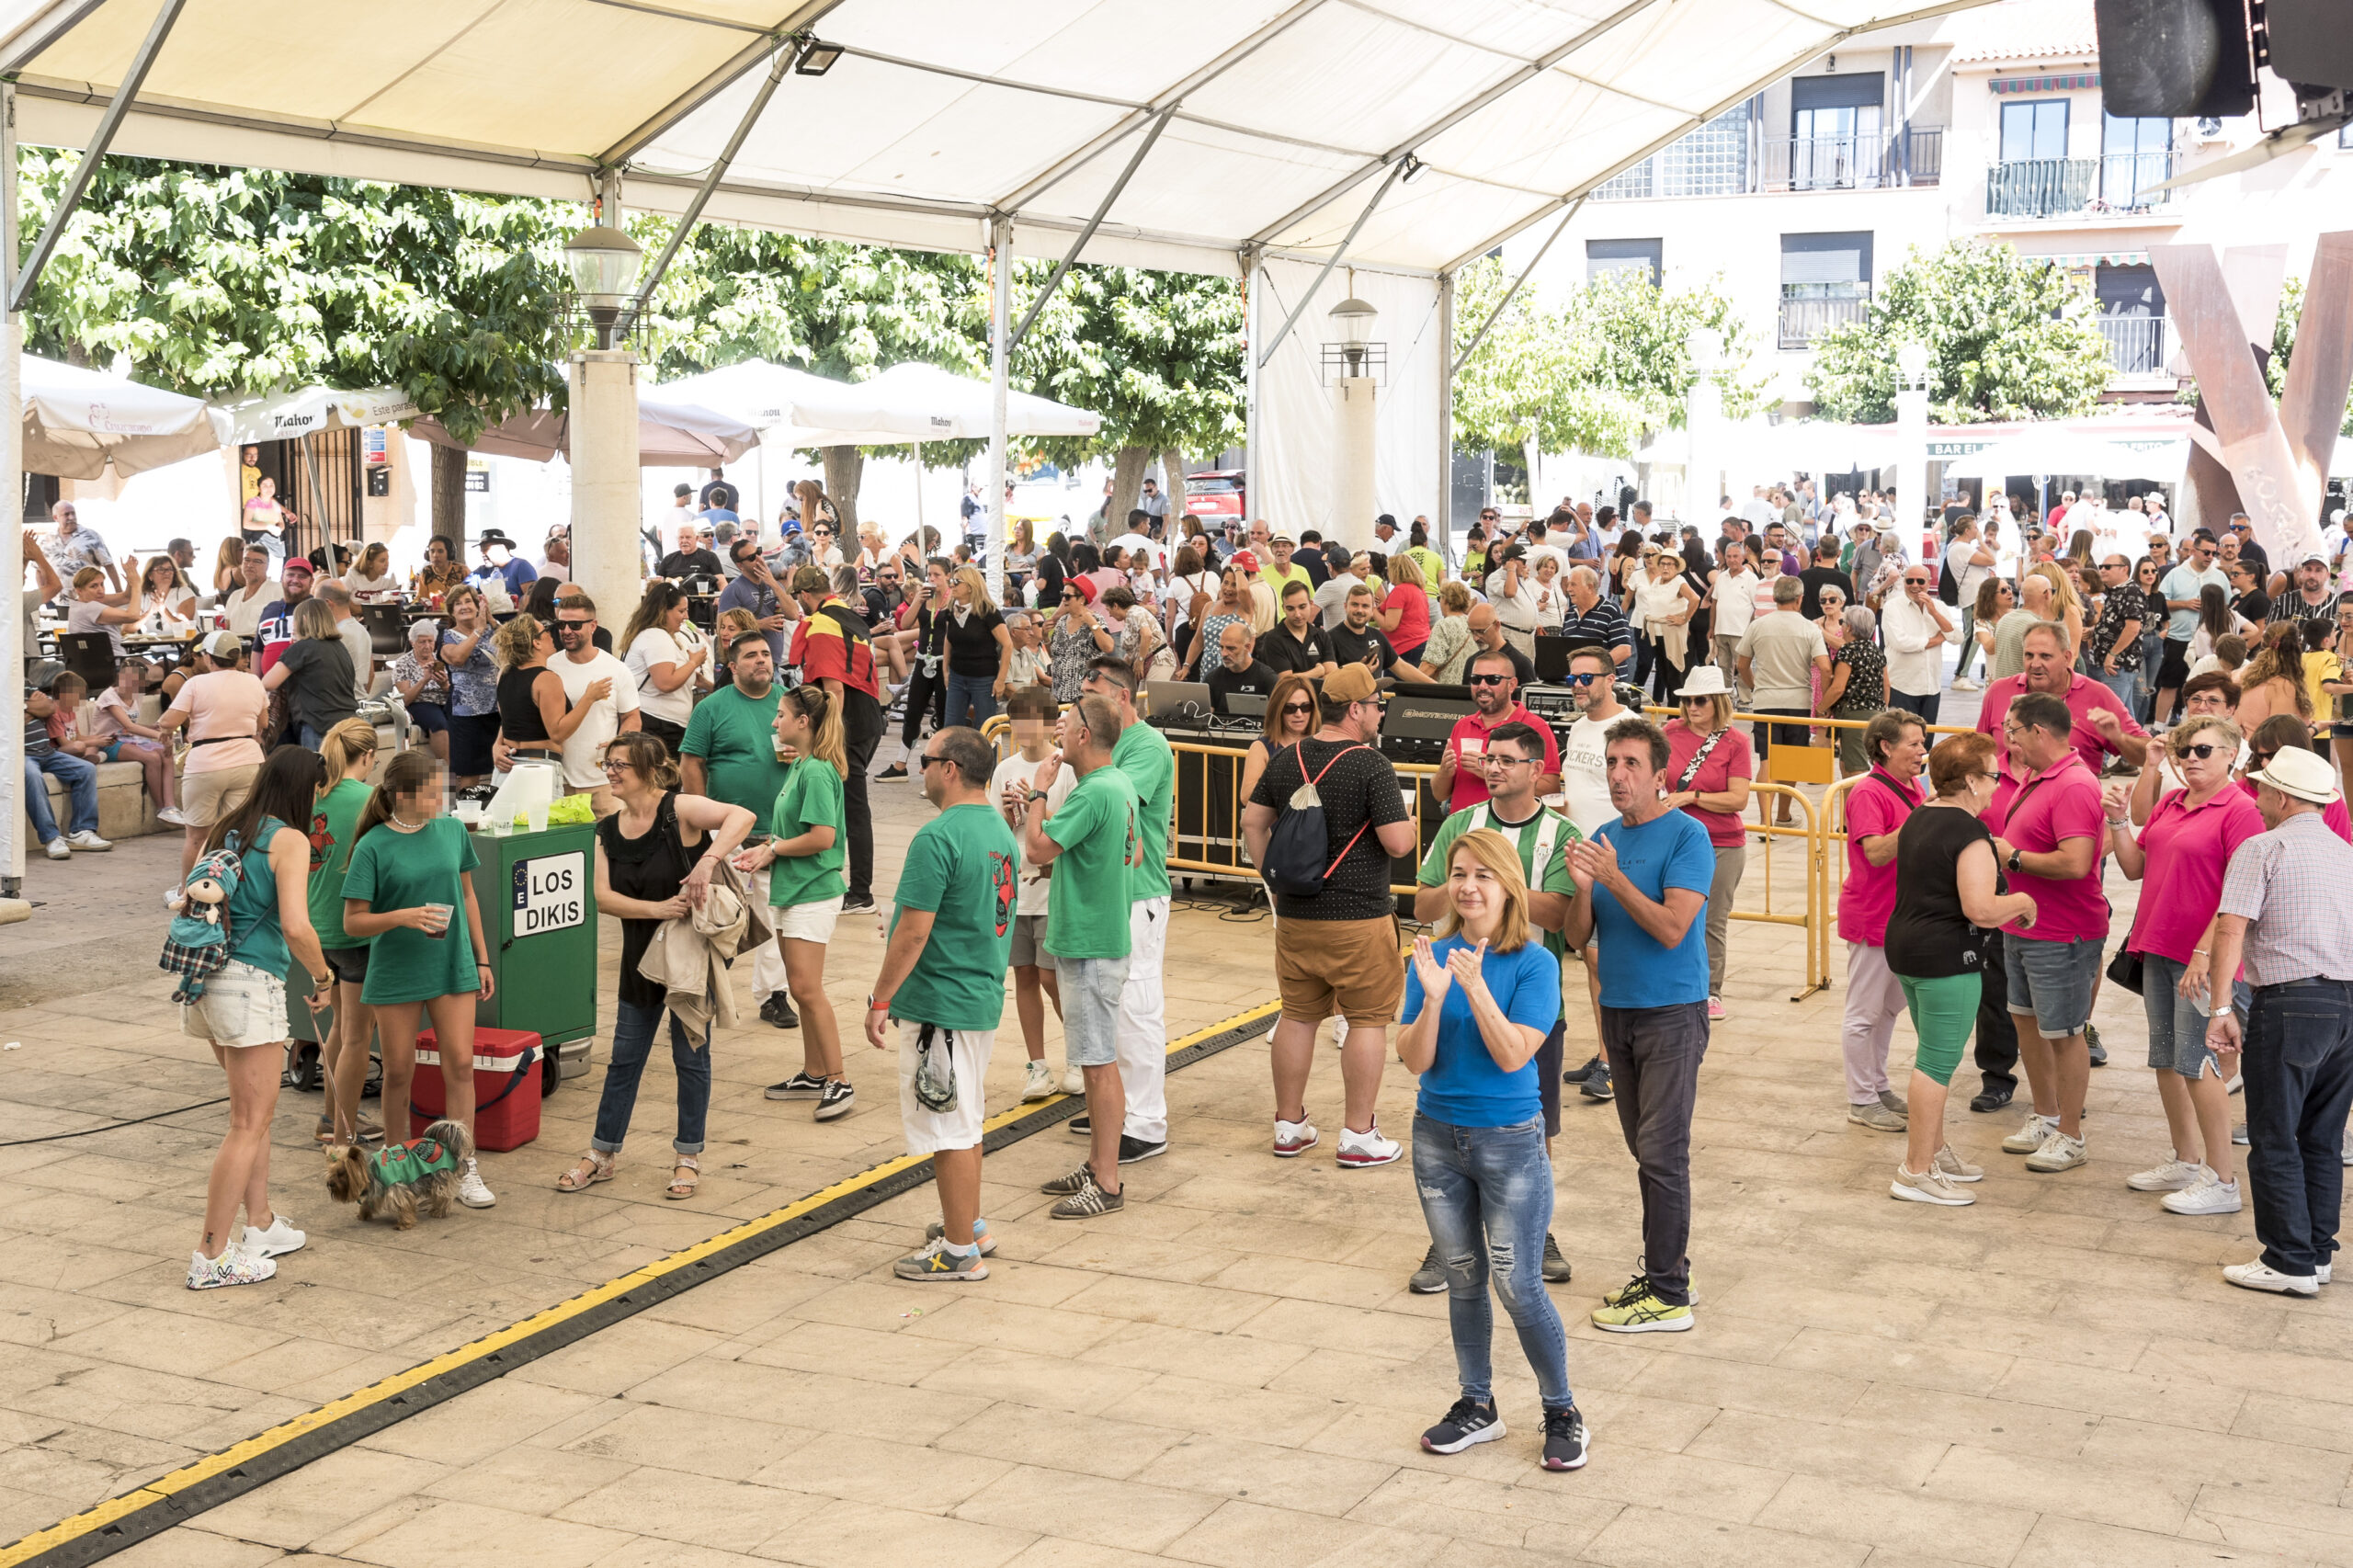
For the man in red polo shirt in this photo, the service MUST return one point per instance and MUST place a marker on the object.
(830, 644)
(2048, 827)
(1461, 780)
(2101, 728)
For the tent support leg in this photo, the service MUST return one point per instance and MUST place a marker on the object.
(1299, 310)
(784, 58)
(101, 139)
(1513, 292)
(12, 495)
(1253, 286)
(1442, 514)
(1000, 367)
(1062, 268)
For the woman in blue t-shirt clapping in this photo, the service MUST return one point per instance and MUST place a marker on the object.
(1478, 1003)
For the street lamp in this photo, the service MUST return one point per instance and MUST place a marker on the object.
(1912, 359)
(1362, 366)
(1912, 364)
(1353, 319)
(604, 266)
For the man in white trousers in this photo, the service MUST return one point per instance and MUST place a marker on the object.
(1143, 755)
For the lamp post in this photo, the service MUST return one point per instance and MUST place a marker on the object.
(1911, 359)
(1353, 361)
(605, 501)
(1703, 411)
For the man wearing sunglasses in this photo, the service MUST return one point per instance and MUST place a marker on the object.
(2181, 587)
(1461, 780)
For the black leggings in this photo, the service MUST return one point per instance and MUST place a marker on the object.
(924, 693)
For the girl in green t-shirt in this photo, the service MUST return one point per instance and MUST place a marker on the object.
(406, 894)
(803, 859)
(349, 752)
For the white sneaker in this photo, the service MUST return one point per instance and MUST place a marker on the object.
(2174, 1175)
(2212, 1195)
(1340, 1032)
(280, 1239)
(2238, 1081)
(2031, 1135)
(2059, 1153)
(2321, 1274)
(1293, 1138)
(1952, 1168)
(1037, 1082)
(85, 839)
(1965, 684)
(233, 1267)
(171, 896)
(57, 849)
(2260, 1276)
(1366, 1149)
(470, 1190)
(1074, 1080)
(1926, 1187)
(172, 814)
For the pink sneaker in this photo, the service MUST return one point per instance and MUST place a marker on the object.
(1715, 1008)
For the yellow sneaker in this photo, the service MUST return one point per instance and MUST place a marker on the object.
(1641, 1282)
(1638, 1310)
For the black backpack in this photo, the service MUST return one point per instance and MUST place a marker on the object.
(1296, 864)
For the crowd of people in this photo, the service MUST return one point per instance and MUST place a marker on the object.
(734, 746)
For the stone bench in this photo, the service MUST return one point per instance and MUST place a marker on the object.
(124, 809)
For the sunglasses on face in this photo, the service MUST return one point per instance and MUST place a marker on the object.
(1299, 708)
(1487, 680)
(2260, 759)
(928, 760)
(573, 625)
(1587, 678)
(2202, 751)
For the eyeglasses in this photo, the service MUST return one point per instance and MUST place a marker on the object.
(1486, 680)
(2202, 751)
(1496, 759)
(2260, 759)
(1299, 708)
(1585, 679)
(615, 765)
(573, 625)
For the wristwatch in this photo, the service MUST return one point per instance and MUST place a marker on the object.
(2013, 861)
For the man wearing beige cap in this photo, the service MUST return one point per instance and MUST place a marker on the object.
(2287, 914)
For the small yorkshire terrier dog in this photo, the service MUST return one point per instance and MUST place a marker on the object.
(399, 1180)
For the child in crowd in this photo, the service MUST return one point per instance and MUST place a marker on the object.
(128, 740)
(2321, 667)
(1032, 710)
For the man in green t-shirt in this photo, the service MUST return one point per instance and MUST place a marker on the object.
(729, 754)
(1091, 840)
(1514, 756)
(943, 980)
(1142, 755)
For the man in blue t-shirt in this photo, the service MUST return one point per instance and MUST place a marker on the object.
(1641, 886)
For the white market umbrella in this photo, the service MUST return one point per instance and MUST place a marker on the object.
(2055, 448)
(289, 415)
(906, 405)
(672, 432)
(77, 422)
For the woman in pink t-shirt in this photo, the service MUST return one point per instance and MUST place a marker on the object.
(1709, 770)
(1405, 614)
(2178, 859)
(222, 711)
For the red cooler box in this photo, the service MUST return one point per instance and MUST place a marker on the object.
(506, 1087)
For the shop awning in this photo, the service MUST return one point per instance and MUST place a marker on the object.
(78, 421)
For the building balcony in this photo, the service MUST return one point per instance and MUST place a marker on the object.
(2063, 188)
(1809, 309)
(1739, 165)
(2137, 345)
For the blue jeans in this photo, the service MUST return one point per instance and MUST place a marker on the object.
(2153, 653)
(1968, 639)
(2125, 684)
(2176, 1029)
(977, 693)
(2299, 1070)
(81, 776)
(1487, 1196)
(634, 1030)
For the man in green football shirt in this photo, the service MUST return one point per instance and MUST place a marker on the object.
(1515, 755)
(943, 980)
(729, 754)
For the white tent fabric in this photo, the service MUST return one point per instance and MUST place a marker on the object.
(903, 405)
(672, 432)
(282, 415)
(2066, 449)
(77, 422)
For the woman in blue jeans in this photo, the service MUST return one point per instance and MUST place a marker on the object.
(654, 862)
(1478, 1003)
(980, 650)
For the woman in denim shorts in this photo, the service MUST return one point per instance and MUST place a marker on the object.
(243, 1012)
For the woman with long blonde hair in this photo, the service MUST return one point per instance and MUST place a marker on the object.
(2273, 681)
(349, 752)
(803, 857)
(2070, 603)
(978, 649)
(1405, 612)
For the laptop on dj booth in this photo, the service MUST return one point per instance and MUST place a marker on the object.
(1169, 700)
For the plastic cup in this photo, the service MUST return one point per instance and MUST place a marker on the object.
(441, 913)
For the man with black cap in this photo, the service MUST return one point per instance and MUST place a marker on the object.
(499, 560)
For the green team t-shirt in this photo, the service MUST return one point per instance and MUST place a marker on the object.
(1555, 877)
(811, 796)
(961, 866)
(736, 737)
(332, 821)
(1143, 755)
(392, 870)
(1096, 825)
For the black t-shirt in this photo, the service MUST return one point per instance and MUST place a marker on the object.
(681, 565)
(971, 647)
(1359, 790)
(1311, 561)
(1353, 647)
(518, 709)
(320, 690)
(1815, 579)
(1927, 936)
(1280, 650)
(2255, 604)
(1258, 679)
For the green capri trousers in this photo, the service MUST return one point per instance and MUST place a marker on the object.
(1944, 1014)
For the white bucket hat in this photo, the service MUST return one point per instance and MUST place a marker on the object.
(1708, 680)
(2303, 774)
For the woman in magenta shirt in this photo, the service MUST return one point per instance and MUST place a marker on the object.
(1709, 770)
(1405, 613)
(2178, 859)
(1897, 744)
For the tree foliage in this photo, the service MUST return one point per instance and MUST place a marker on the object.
(2011, 338)
(1595, 374)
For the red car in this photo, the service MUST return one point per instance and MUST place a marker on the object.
(1215, 496)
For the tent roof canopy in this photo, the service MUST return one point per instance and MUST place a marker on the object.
(939, 113)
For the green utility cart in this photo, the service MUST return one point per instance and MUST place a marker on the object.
(537, 896)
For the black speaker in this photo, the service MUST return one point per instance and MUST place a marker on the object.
(2310, 41)
(2175, 59)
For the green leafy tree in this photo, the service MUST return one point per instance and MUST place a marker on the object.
(2011, 336)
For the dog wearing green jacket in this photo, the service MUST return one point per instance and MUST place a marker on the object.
(401, 1180)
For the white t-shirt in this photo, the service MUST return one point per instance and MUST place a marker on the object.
(361, 646)
(1035, 883)
(584, 753)
(561, 573)
(1584, 774)
(1154, 552)
(1957, 556)
(655, 646)
(1736, 601)
(384, 584)
(245, 612)
(1331, 598)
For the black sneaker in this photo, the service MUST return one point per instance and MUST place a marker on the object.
(777, 1012)
(1565, 1440)
(2098, 1051)
(1134, 1149)
(836, 1099)
(857, 904)
(1992, 1099)
(799, 1087)
(896, 770)
(1465, 1424)
(1430, 1277)
(1088, 1201)
(1556, 1267)
(1597, 1084)
(1080, 1125)
(1578, 1074)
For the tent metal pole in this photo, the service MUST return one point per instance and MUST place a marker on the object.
(1443, 513)
(784, 59)
(101, 139)
(1000, 367)
(12, 488)
(1513, 292)
(1062, 268)
(1331, 261)
(1253, 289)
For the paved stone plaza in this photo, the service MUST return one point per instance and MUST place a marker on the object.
(1229, 1372)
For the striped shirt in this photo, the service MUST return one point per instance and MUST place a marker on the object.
(2294, 887)
(1604, 626)
(2290, 605)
